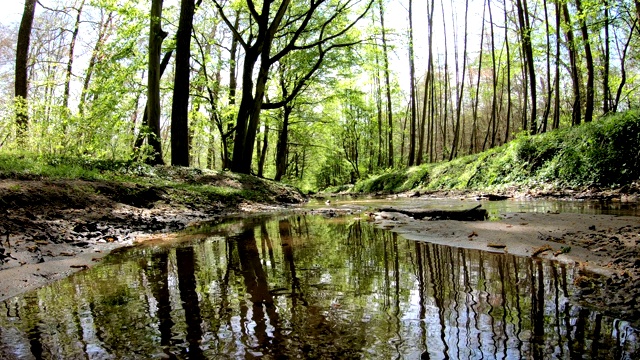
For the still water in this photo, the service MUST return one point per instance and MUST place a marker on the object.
(312, 288)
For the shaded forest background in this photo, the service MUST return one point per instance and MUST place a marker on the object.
(316, 93)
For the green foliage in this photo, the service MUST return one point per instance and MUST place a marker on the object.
(388, 181)
(605, 153)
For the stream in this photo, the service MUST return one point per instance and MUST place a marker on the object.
(313, 287)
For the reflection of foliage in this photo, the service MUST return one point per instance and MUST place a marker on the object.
(368, 292)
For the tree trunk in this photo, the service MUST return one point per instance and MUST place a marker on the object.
(387, 84)
(427, 82)
(527, 50)
(21, 76)
(474, 125)
(494, 84)
(281, 151)
(233, 85)
(180, 106)
(506, 36)
(72, 45)
(606, 92)
(547, 108)
(97, 49)
(156, 36)
(588, 111)
(623, 70)
(262, 153)
(412, 90)
(460, 95)
(576, 115)
(142, 135)
(556, 103)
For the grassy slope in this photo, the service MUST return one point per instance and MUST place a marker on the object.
(604, 153)
(137, 184)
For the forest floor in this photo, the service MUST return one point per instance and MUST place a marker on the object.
(50, 229)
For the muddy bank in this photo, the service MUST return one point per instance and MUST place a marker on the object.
(51, 229)
(604, 249)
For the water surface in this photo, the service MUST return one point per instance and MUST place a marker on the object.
(313, 288)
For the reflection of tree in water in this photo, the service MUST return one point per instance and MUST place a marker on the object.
(311, 288)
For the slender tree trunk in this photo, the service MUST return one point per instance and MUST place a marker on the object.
(547, 108)
(21, 76)
(556, 104)
(180, 105)
(387, 84)
(494, 85)
(588, 111)
(412, 89)
(623, 70)
(281, 151)
(262, 153)
(474, 125)
(95, 53)
(606, 92)
(576, 115)
(506, 36)
(378, 95)
(527, 50)
(476, 100)
(156, 36)
(233, 85)
(72, 45)
(428, 94)
(456, 131)
(447, 91)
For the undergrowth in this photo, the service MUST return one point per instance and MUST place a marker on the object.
(604, 153)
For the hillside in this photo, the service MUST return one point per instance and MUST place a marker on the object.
(600, 155)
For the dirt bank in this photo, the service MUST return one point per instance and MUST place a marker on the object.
(605, 248)
(51, 229)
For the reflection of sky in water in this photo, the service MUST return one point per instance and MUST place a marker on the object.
(303, 287)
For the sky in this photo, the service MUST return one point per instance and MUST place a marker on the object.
(396, 18)
(11, 11)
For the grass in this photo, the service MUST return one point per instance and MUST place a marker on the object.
(604, 153)
(130, 181)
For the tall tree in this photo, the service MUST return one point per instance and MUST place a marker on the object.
(527, 50)
(387, 84)
(21, 76)
(582, 20)
(156, 36)
(576, 114)
(507, 48)
(460, 92)
(412, 91)
(180, 106)
(606, 104)
(556, 80)
(294, 23)
(72, 46)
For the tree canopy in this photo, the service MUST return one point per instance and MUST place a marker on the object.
(315, 92)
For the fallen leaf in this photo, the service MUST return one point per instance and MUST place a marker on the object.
(67, 254)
